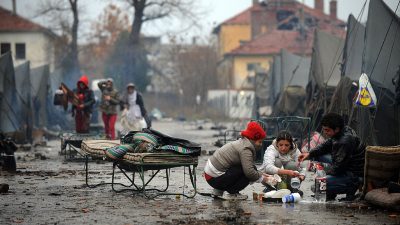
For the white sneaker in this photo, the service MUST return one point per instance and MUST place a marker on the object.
(217, 193)
(236, 196)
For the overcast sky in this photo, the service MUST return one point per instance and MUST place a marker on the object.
(215, 12)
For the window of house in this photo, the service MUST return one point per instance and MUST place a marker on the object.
(5, 47)
(235, 101)
(252, 66)
(20, 50)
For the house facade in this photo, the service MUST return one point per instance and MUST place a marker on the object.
(248, 41)
(26, 40)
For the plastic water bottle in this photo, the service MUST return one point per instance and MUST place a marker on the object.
(320, 183)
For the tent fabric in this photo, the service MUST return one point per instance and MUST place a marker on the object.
(353, 49)
(289, 70)
(275, 78)
(22, 80)
(342, 99)
(291, 102)
(10, 104)
(325, 69)
(295, 70)
(324, 74)
(39, 92)
(380, 126)
(381, 65)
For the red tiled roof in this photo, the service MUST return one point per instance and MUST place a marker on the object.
(272, 42)
(11, 22)
(241, 18)
(245, 16)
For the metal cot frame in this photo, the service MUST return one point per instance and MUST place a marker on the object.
(140, 167)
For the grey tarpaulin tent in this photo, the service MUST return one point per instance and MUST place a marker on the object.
(10, 104)
(342, 99)
(292, 73)
(39, 92)
(275, 82)
(381, 63)
(324, 74)
(22, 81)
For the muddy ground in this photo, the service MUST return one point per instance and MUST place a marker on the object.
(47, 189)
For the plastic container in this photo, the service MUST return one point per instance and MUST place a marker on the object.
(294, 197)
(320, 183)
(295, 182)
(269, 194)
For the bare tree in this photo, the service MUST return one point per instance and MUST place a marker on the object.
(144, 11)
(195, 68)
(104, 33)
(61, 13)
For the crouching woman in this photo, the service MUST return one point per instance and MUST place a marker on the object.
(231, 168)
(281, 158)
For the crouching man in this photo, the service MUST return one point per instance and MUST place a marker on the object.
(345, 154)
(231, 168)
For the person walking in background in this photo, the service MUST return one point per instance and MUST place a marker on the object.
(108, 106)
(231, 168)
(134, 113)
(82, 109)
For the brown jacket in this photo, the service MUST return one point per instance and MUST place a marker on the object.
(239, 152)
(108, 107)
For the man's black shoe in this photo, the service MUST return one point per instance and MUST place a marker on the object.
(330, 197)
(349, 198)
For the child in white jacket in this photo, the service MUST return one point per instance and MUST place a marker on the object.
(281, 158)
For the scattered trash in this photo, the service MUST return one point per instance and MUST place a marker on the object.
(85, 210)
(4, 188)
(54, 194)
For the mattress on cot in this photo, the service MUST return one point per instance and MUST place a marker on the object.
(98, 147)
(75, 139)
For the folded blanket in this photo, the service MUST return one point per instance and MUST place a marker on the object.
(159, 141)
(118, 152)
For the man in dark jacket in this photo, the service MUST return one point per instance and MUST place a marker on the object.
(82, 107)
(344, 152)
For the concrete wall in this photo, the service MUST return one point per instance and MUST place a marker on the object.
(39, 48)
(233, 103)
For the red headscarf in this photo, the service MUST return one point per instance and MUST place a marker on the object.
(85, 80)
(254, 131)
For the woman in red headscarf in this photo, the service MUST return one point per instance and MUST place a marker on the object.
(231, 168)
(83, 108)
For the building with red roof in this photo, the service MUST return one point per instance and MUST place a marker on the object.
(250, 39)
(26, 40)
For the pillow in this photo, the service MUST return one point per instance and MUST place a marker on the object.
(118, 152)
(382, 198)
